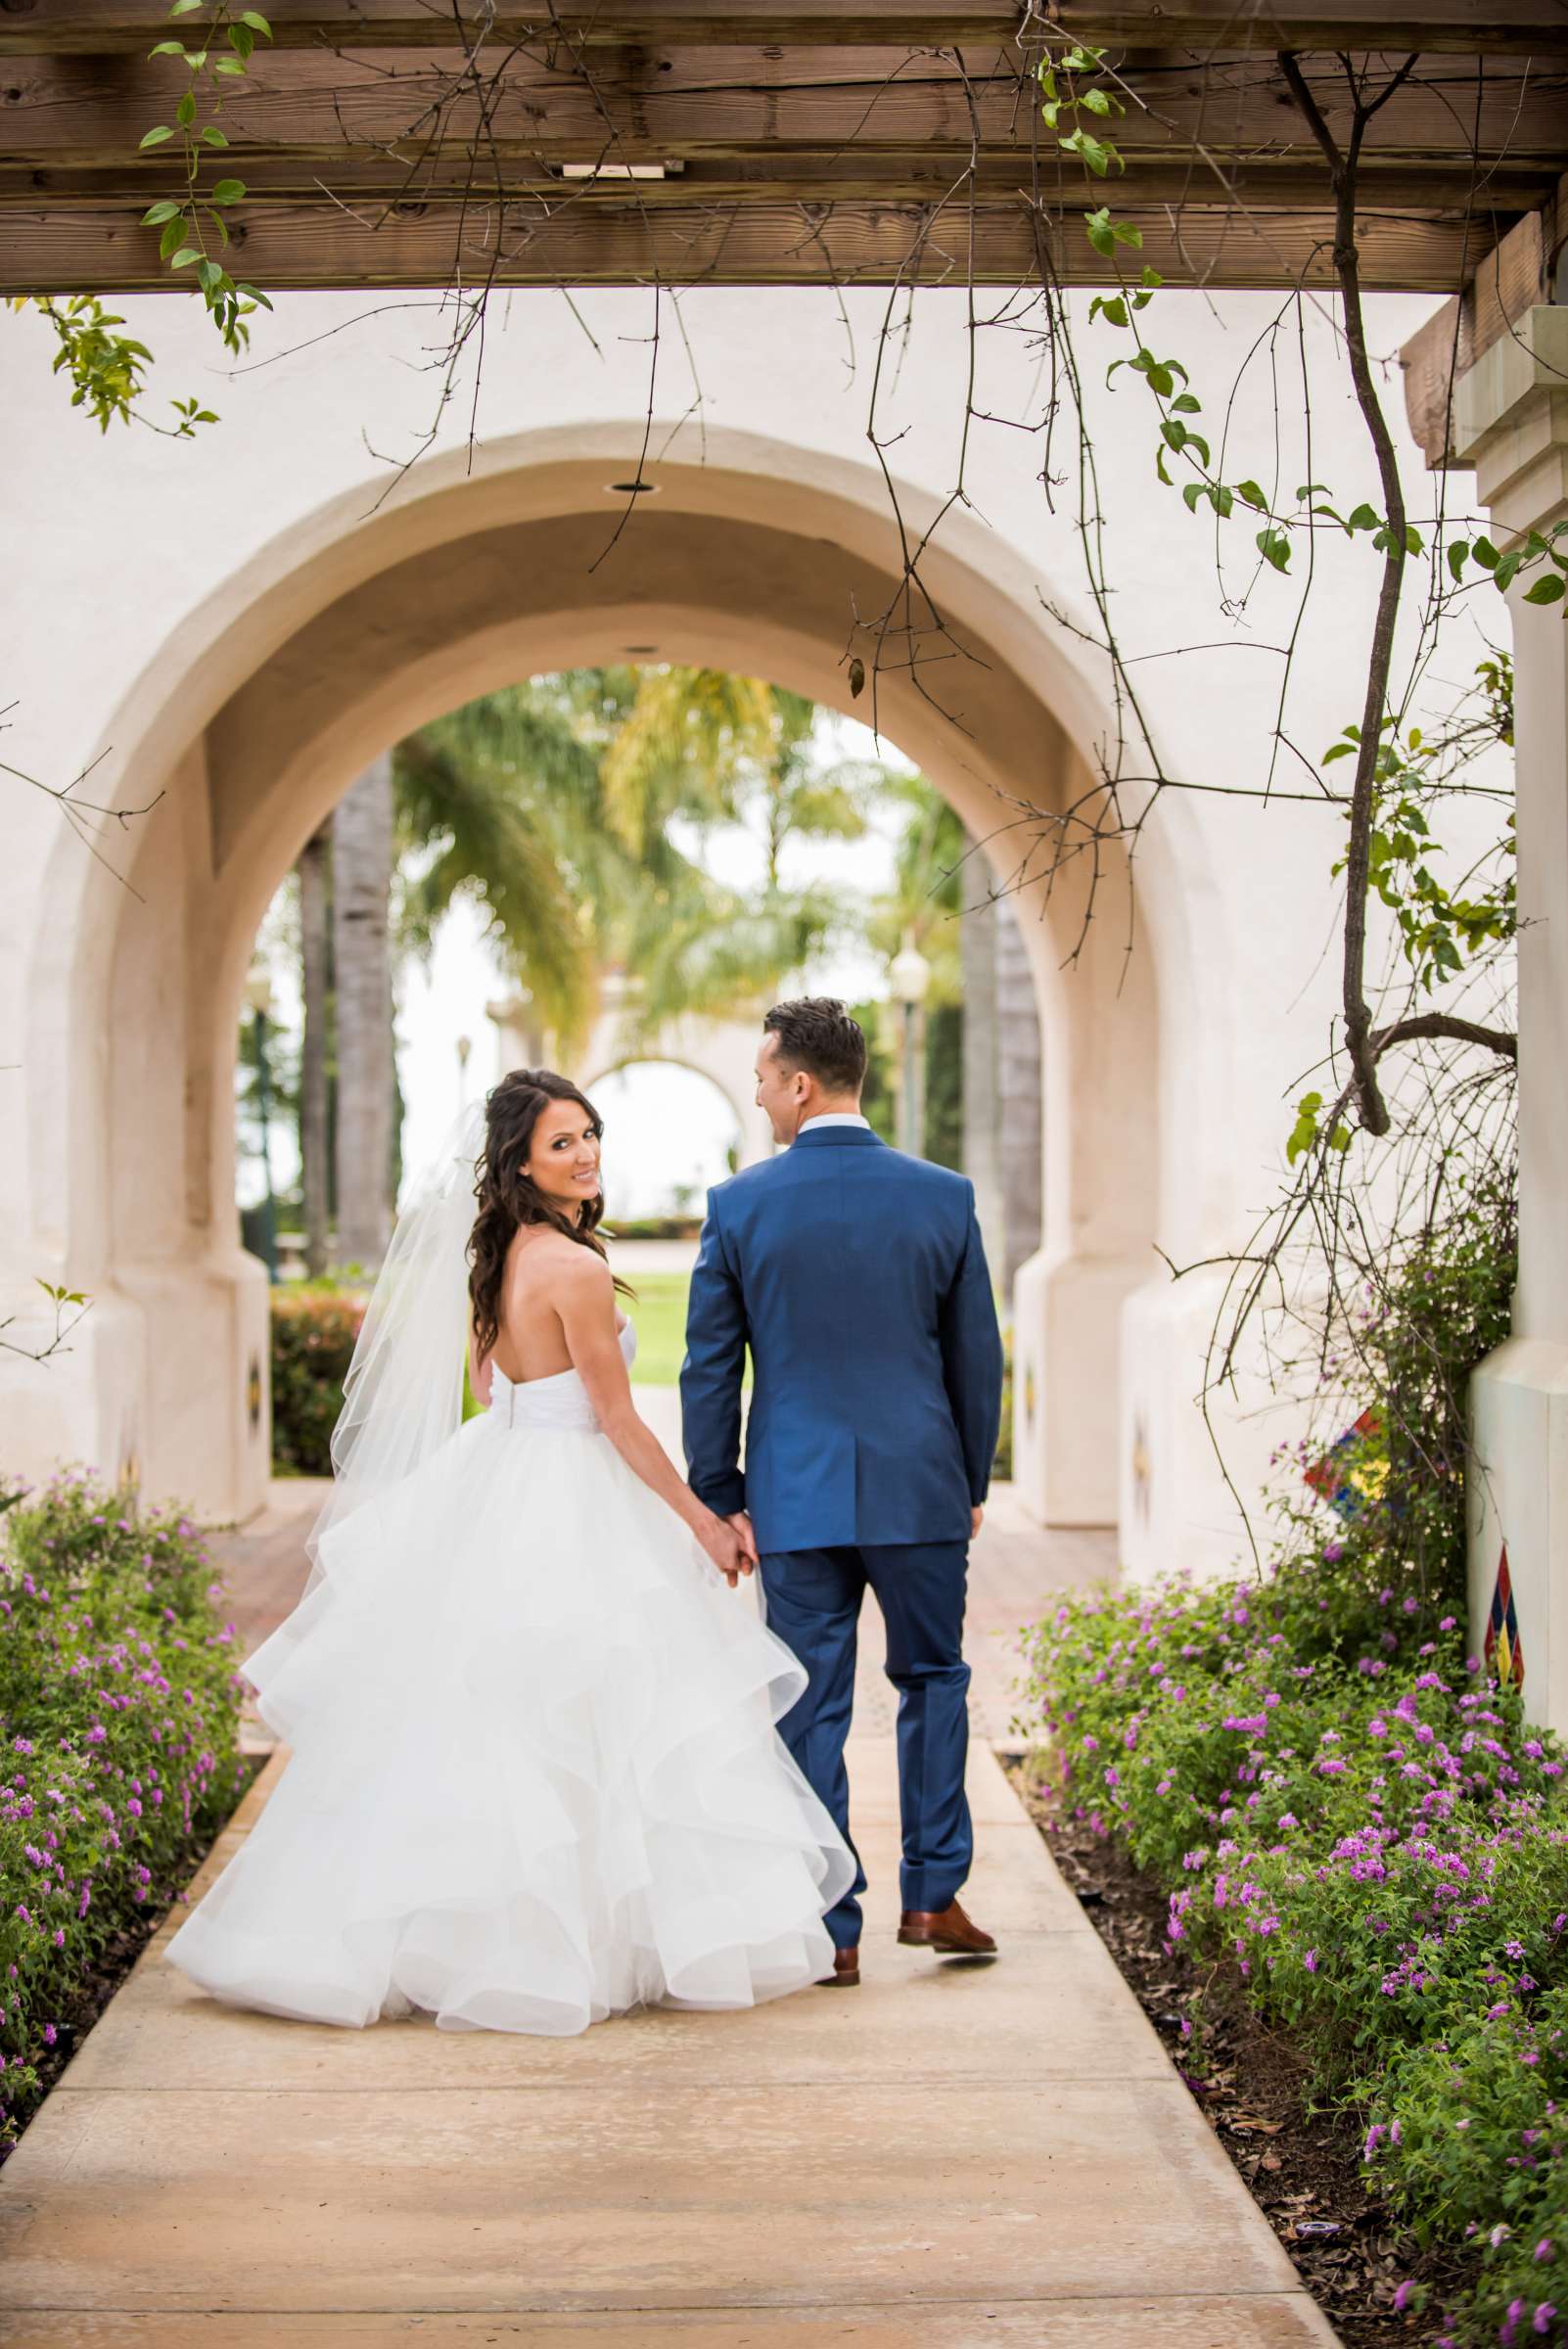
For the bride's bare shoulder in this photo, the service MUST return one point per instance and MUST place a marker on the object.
(551, 1263)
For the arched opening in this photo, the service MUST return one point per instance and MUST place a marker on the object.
(678, 1132)
(356, 633)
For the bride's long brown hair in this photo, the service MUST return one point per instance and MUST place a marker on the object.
(507, 1196)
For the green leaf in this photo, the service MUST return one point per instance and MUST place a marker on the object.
(256, 21)
(155, 138)
(1251, 496)
(210, 274)
(242, 40)
(1191, 492)
(185, 111)
(228, 65)
(1340, 1138)
(1486, 553)
(1457, 553)
(1222, 500)
(1545, 591)
(213, 136)
(1361, 518)
(1187, 405)
(174, 236)
(156, 214)
(1095, 102)
(229, 191)
(1274, 548)
(167, 49)
(1100, 234)
(186, 255)
(186, 8)
(1090, 151)
(1507, 568)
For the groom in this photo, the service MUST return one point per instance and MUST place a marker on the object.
(857, 1280)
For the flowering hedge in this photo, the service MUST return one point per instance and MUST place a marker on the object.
(1379, 1846)
(119, 1708)
(313, 1333)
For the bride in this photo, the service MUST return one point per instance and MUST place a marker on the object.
(535, 1775)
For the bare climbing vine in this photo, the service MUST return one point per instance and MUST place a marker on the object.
(1400, 1063)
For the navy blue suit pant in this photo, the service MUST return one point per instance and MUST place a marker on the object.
(814, 1600)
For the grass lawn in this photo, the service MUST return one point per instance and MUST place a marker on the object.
(659, 1310)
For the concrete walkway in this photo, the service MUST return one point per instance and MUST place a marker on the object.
(951, 2155)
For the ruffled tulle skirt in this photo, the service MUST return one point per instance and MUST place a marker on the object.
(535, 1777)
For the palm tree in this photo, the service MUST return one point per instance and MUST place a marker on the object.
(315, 930)
(555, 805)
(706, 748)
(923, 907)
(362, 830)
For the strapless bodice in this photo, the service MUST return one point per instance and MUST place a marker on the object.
(561, 1400)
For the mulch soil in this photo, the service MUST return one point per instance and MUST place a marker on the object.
(1299, 2158)
(81, 2005)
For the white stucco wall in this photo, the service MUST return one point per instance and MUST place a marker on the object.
(149, 581)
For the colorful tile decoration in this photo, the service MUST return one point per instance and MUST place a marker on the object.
(1501, 1645)
(1352, 1473)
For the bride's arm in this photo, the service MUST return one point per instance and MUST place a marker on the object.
(583, 1295)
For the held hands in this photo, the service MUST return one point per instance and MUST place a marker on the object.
(732, 1545)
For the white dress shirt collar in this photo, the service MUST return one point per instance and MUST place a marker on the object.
(833, 1117)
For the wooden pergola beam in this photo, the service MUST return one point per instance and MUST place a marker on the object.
(92, 110)
(1413, 191)
(1511, 279)
(80, 26)
(288, 246)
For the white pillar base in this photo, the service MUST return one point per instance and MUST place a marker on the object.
(1518, 1487)
(1176, 1509)
(165, 1385)
(1066, 1352)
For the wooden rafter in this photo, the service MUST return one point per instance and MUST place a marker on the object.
(798, 141)
(1534, 27)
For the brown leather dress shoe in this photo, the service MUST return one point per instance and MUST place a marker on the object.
(946, 1930)
(845, 1974)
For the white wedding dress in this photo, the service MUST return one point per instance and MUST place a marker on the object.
(536, 1778)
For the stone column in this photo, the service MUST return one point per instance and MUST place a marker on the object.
(1019, 1089)
(977, 946)
(1511, 418)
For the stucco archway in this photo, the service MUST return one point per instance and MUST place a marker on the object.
(322, 652)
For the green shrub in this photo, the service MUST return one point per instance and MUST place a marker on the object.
(1002, 1465)
(119, 1705)
(313, 1333)
(1346, 1813)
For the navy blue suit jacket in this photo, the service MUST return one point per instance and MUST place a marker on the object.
(857, 1278)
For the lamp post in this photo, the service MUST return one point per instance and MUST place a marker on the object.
(910, 976)
(259, 995)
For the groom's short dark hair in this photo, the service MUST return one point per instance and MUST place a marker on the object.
(816, 1034)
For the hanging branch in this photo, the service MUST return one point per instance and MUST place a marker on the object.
(1343, 167)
